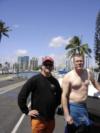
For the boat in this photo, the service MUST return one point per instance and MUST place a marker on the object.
(62, 71)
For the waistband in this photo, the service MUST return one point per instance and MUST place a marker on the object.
(77, 104)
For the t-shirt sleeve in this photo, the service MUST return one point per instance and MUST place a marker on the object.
(24, 93)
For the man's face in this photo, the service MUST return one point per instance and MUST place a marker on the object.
(48, 67)
(78, 62)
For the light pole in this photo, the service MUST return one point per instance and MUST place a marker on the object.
(87, 61)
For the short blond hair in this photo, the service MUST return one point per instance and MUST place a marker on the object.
(78, 55)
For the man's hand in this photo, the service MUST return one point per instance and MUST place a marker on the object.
(33, 113)
(69, 119)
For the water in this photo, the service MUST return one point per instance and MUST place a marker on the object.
(26, 74)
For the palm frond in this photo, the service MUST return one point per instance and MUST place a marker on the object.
(69, 46)
(3, 29)
(75, 40)
(75, 46)
(71, 53)
(5, 34)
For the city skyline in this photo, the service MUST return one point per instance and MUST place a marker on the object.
(41, 28)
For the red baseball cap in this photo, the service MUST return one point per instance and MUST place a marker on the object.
(47, 58)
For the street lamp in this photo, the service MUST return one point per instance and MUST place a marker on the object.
(87, 61)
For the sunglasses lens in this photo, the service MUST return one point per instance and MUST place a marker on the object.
(48, 64)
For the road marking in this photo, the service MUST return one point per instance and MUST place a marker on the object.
(11, 87)
(19, 121)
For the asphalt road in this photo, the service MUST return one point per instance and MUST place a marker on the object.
(10, 113)
(10, 81)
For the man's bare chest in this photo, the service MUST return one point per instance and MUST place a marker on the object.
(78, 82)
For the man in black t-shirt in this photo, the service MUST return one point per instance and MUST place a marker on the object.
(45, 97)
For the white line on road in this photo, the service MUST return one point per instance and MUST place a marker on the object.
(11, 87)
(19, 122)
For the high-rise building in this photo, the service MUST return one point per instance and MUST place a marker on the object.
(23, 62)
(33, 63)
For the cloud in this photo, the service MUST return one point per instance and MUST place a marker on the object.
(21, 52)
(57, 42)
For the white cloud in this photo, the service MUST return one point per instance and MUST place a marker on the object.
(21, 52)
(57, 42)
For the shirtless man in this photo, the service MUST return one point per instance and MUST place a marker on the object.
(74, 94)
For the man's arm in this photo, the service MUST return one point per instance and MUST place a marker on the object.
(94, 82)
(22, 97)
(65, 99)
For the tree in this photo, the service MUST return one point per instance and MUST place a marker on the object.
(3, 29)
(74, 46)
(97, 41)
(97, 44)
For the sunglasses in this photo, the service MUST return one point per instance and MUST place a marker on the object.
(48, 64)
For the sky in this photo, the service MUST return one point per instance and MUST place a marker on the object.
(42, 27)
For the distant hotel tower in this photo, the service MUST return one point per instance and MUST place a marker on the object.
(23, 62)
(33, 63)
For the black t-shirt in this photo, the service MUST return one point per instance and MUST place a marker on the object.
(45, 96)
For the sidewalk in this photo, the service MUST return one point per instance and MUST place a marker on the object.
(6, 77)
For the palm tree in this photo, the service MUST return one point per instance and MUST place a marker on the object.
(3, 30)
(74, 46)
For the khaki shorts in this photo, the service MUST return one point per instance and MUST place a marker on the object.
(39, 126)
